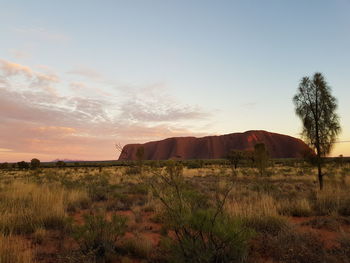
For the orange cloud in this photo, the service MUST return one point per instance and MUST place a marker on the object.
(38, 122)
(10, 68)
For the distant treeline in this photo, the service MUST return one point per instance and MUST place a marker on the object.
(195, 163)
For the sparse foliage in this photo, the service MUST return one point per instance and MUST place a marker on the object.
(23, 165)
(98, 235)
(140, 156)
(203, 231)
(235, 157)
(261, 157)
(35, 163)
(4, 166)
(60, 164)
(316, 107)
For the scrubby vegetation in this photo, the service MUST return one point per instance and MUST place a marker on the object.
(193, 211)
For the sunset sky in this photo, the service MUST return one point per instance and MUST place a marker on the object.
(76, 77)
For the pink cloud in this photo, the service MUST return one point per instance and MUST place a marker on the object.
(11, 69)
(39, 122)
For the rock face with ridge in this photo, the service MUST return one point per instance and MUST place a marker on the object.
(217, 147)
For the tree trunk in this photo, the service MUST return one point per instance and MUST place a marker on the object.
(320, 175)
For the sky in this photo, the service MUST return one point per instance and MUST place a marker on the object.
(77, 77)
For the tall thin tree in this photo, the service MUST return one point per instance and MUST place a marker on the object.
(316, 107)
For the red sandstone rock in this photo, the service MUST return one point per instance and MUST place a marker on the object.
(216, 147)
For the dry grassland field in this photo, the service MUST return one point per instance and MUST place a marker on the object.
(173, 213)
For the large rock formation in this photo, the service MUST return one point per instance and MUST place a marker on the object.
(216, 147)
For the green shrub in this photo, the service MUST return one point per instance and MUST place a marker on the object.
(98, 235)
(35, 163)
(202, 234)
(137, 246)
(194, 164)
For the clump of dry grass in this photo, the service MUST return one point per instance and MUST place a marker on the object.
(333, 200)
(252, 205)
(137, 246)
(295, 207)
(77, 199)
(258, 211)
(39, 235)
(14, 250)
(26, 207)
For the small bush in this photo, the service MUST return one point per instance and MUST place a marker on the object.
(271, 225)
(98, 235)
(194, 164)
(332, 200)
(119, 202)
(35, 163)
(23, 165)
(39, 235)
(203, 231)
(199, 240)
(77, 199)
(132, 170)
(299, 207)
(137, 246)
(292, 246)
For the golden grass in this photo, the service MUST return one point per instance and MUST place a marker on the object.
(26, 207)
(295, 207)
(15, 250)
(252, 205)
(333, 199)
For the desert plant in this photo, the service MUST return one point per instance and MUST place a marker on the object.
(296, 207)
(4, 166)
(35, 163)
(137, 246)
(60, 164)
(267, 225)
(98, 235)
(235, 157)
(316, 107)
(27, 207)
(140, 157)
(22, 165)
(201, 233)
(261, 158)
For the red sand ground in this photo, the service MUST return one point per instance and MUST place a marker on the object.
(150, 230)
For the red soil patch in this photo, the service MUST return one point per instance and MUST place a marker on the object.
(329, 238)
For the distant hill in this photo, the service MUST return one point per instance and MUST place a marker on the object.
(217, 147)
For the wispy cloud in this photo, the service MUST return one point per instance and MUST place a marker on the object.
(19, 54)
(5, 150)
(36, 118)
(249, 105)
(13, 74)
(86, 73)
(153, 104)
(41, 33)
